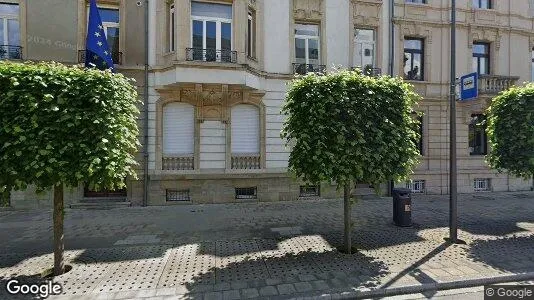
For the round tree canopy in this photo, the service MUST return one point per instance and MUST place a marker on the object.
(347, 126)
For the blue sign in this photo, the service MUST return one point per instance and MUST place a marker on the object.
(469, 86)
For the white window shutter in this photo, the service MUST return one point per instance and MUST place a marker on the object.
(178, 129)
(245, 129)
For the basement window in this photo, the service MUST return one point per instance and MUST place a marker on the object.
(309, 191)
(246, 193)
(178, 195)
(481, 184)
(416, 186)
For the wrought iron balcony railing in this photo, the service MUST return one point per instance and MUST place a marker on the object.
(116, 56)
(246, 161)
(199, 54)
(494, 84)
(178, 162)
(10, 52)
(303, 69)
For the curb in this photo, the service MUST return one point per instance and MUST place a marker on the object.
(448, 285)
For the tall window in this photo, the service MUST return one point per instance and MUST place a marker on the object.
(211, 25)
(251, 34)
(414, 59)
(9, 31)
(482, 4)
(307, 44)
(478, 139)
(172, 27)
(419, 129)
(481, 58)
(364, 48)
(178, 129)
(532, 65)
(245, 129)
(111, 23)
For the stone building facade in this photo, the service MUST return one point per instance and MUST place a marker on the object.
(218, 74)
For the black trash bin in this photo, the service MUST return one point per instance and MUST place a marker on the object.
(402, 207)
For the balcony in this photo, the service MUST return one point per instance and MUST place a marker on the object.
(198, 54)
(246, 161)
(178, 163)
(10, 52)
(303, 69)
(494, 84)
(116, 56)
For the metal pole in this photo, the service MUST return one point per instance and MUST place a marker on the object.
(391, 60)
(145, 141)
(453, 213)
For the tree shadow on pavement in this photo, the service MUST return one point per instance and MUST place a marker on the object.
(287, 275)
(509, 254)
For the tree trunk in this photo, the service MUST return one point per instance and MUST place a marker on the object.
(347, 208)
(59, 266)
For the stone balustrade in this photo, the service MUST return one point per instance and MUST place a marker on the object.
(246, 161)
(494, 84)
(178, 163)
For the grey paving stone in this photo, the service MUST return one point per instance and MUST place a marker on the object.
(273, 281)
(286, 289)
(320, 285)
(231, 295)
(302, 287)
(250, 293)
(213, 296)
(237, 285)
(223, 286)
(307, 277)
(165, 291)
(268, 291)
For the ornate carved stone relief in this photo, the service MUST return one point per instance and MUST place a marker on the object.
(211, 101)
(484, 34)
(366, 13)
(416, 30)
(307, 10)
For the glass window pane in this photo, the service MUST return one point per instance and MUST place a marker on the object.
(483, 66)
(480, 48)
(307, 29)
(211, 35)
(198, 34)
(300, 50)
(9, 9)
(364, 35)
(313, 50)
(109, 15)
(112, 36)
(2, 42)
(413, 44)
(226, 36)
(214, 10)
(13, 32)
(475, 64)
(484, 4)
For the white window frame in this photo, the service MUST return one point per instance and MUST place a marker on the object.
(416, 186)
(482, 184)
(306, 38)
(107, 25)
(218, 22)
(4, 18)
(251, 26)
(172, 28)
(360, 42)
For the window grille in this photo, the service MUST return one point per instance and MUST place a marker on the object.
(309, 191)
(481, 184)
(246, 193)
(416, 186)
(178, 195)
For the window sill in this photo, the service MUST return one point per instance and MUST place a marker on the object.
(416, 4)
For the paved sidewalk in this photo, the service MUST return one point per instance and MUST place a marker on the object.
(270, 250)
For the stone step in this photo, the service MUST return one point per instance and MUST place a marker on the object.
(100, 205)
(102, 199)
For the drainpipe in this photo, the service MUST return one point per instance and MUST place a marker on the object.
(145, 104)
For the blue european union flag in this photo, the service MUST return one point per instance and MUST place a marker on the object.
(97, 49)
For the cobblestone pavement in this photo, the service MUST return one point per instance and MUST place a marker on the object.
(269, 250)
